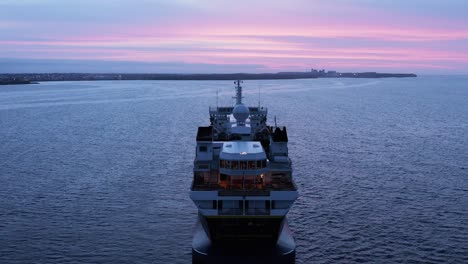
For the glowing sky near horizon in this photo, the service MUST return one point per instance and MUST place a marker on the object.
(422, 36)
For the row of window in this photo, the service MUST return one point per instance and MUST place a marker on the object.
(242, 165)
(240, 204)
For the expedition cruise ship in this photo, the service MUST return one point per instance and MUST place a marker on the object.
(242, 183)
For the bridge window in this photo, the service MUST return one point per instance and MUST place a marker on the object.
(243, 165)
(203, 149)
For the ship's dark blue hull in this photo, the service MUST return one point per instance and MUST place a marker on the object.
(204, 250)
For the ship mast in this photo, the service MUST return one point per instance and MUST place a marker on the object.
(238, 92)
(240, 111)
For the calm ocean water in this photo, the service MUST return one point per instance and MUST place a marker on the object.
(99, 172)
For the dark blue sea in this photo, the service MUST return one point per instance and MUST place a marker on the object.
(99, 172)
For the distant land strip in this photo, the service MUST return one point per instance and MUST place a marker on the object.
(28, 78)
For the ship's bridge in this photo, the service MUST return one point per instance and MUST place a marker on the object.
(238, 157)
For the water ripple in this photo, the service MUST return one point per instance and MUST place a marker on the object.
(99, 172)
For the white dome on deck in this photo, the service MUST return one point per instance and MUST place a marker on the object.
(241, 113)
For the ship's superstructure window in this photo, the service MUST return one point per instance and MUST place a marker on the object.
(207, 204)
(223, 177)
(203, 149)
(281, 204)
(257, 207)
(231, 207)
(259, 164)
(203, 166)
(242, 165)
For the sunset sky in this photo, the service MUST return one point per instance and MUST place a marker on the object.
(186, 36)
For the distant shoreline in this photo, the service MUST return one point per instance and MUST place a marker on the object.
(16, 82)
(30, 78)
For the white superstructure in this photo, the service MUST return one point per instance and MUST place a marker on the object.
(242, 183)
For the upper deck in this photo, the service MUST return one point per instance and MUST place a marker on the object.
(249, 189)
(239, 152)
